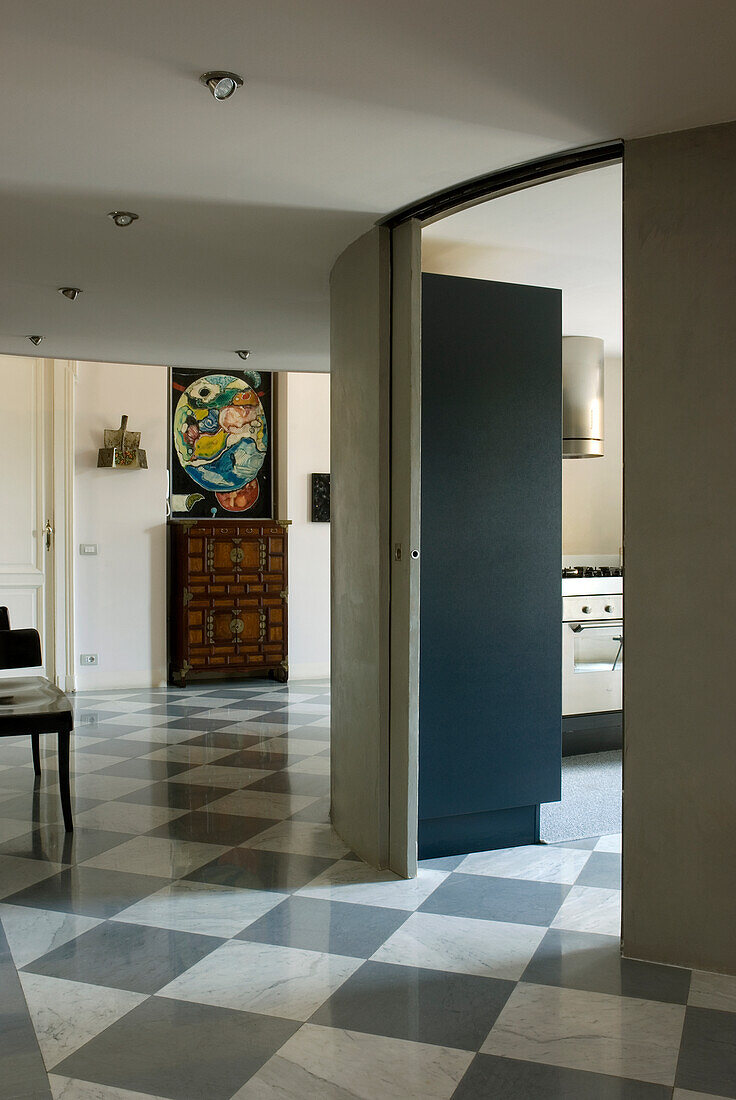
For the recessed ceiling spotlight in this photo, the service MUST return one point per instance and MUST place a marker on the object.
(244, 354)
(221, 84)
(123, 217)
(35, 340)
(70, 292)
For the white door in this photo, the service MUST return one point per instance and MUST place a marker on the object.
(26, 523)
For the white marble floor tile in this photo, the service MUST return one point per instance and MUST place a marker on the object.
(143, 721)
(161, 735)
(201, 908)
(313, 765)
(126, 817)
(231, 714)
(536, 862)
(356, 882)
(712, 991)
(66, 1015)
(684, 1094)
(32, 932)
(621, 1036)
(80, 763)
(16, 873)
(260, 804)
(10, 829)
(261, 977)
(307, 838)
(323, 723)
(212, 775)
(299, 746)
(324, 1063)
(194, 755)
(105, 787)
(590, 909)
(66, 1088)
(610, 843)
(287, 698)
(462, 945)
(153, 855)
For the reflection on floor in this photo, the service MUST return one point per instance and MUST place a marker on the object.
(206, 935)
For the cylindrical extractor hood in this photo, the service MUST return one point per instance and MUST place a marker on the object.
(582, 397)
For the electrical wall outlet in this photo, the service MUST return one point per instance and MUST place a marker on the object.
(86, 548)
(88, 659)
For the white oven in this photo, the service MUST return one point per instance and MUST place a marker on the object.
(592, 646)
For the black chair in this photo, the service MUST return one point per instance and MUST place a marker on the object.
(32, 704)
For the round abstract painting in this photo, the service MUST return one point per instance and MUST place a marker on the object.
(221, 437)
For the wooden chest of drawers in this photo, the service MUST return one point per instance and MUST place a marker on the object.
(228, 599)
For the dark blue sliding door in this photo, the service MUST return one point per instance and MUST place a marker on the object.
(490, 665)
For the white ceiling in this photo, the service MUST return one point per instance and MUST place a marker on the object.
(564, 234)
(350, 110)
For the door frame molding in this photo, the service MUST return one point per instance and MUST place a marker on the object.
(62, 387)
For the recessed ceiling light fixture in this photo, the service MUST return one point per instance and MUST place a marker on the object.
(244, 354)
(123, 218)
(35, 340)
(70, 292)
(221, 84)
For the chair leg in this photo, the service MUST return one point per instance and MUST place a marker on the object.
(36, 753)
(66, 802)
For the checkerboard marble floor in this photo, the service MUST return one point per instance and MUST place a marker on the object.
(205, 934)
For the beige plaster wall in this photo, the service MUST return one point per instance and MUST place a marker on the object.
(680, 545)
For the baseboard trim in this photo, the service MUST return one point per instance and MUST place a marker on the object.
(451, 836)
(102, 680)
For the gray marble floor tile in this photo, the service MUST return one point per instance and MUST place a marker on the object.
(296, 746)
(708, 1055)
(201, 908)
(603, 869)
(42, 807)
(185, 753)
(140, 958)
(281, 981)
(227, 738)
(536, 862)
(17, 873)
(216, 775)
(174, 796)
(49, 842)
(165, 858)
(253, 869)
(504, 899)
(425, 1006)
(462, 945)
(141, 767)
(113, 748)
(182, 1051)
(311, 765)
(580, 960)
(490, 1077)
(713, 991)
(88, 891)
(22, 1072)
(268, 759)
(303, 837)
(621, 1036)
(351, 881)
(328, 926)
(318, 811)
(94, 785)
(10, 829)
(289, 782)
(67, 1014)
(212, 828)
(322, 1063)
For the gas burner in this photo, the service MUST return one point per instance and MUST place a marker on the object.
(592, 571)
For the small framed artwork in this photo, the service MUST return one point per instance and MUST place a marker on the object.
(320, 498)
(221, 446)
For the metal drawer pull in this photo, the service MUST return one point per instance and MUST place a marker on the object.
(262, 621)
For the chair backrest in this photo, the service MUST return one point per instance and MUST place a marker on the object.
(18, 648)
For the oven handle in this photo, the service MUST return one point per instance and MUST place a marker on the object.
(601, 625)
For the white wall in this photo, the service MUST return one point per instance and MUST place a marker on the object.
(120, 595)
(304, 429)
(592, 488)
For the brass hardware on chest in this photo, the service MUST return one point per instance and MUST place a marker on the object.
(210, 556)
(262, 555)
(236, 555)
(237, 626)
(186, 596)
(262, 623)
(211, 628)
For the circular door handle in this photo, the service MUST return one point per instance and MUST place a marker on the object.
(609, 608)
(585, 610)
